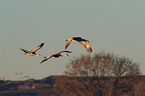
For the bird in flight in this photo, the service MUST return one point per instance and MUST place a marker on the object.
(55, 55)
(80, 40)
(33, 52)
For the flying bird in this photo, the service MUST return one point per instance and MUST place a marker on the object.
(33, 52)
(80, 40)
(55, 55)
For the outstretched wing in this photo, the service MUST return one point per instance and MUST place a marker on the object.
(46, 58)
(26, 51)
(68, 42)
(88, 47)
(83, 42)
(65, 51)
(41, 45)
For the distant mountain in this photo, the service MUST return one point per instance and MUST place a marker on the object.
(32, 87)
(28, 87)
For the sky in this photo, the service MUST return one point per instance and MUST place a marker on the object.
(114, 26)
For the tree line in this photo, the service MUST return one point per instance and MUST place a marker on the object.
(101, 74)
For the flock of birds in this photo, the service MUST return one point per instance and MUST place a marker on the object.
(58, 54)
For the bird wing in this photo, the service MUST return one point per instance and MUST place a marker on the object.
(88, 47)
(26, 51)
(78, 39)
(46, 58)
(82, 42)
(41, 45)
(65, 51)
(68, 42)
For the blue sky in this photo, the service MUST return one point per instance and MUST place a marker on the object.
(115, 26)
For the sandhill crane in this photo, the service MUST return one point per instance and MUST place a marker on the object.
(80, 40)
(33, 52)
(55, 55)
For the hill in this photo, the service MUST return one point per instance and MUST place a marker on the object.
(32, 87)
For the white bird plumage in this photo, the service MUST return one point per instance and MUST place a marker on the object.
(80, 40)
(33, 52)
(55, 55)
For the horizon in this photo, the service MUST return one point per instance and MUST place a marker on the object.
(54, 76)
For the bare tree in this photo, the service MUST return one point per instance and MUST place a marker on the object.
(138, 88)
(103, 74)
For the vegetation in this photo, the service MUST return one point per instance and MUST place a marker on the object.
(103, 74)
